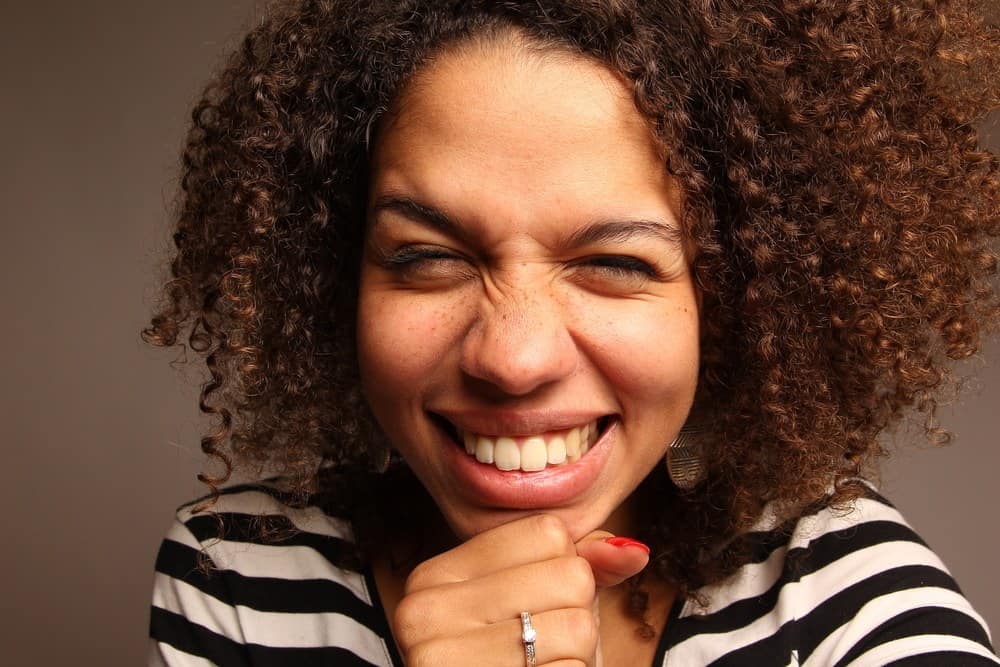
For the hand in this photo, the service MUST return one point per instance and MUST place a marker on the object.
(463, 606)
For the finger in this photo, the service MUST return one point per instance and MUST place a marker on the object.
(561, 635)
(612, 562)
(462, 607)
(530, 539)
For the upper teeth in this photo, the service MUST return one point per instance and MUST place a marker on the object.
(533, 452)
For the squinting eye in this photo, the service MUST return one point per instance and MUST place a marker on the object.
(615, 275)
(406, 257)
(423, 263)
(623, 266)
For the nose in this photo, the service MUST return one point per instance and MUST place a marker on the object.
(519, 343)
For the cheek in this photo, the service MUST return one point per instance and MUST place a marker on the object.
(402, 338)
(649, 353)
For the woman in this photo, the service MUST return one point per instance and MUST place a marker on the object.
(569, 329)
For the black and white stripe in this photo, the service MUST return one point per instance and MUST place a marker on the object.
(261, 602)
(842, 588)
(854, 587)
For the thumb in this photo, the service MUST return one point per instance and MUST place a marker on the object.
(612, 559)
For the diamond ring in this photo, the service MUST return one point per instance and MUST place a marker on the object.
(528, 639)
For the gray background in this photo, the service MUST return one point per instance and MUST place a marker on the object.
(99, 434)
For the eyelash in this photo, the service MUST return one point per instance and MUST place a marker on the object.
(621, 266)
(408, 257)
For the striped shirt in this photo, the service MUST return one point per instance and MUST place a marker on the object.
(844, 588)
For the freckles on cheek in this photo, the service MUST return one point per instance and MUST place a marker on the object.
(402, 339)
(650, 353)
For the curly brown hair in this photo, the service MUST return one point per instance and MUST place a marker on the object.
(842, 212)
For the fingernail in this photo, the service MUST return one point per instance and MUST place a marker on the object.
(626, 542)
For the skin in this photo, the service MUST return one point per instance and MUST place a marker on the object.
(503, 313)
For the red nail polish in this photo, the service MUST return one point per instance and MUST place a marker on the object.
(626, 542)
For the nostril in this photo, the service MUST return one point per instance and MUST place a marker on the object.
(517, 368)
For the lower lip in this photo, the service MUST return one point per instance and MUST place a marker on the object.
(556, 485)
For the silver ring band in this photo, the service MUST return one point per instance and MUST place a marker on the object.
(528, 639)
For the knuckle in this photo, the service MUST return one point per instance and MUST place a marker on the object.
(579, 576)
(420, 578)
(552, 531)
(582, 627)
(409, 619)
(420, 655)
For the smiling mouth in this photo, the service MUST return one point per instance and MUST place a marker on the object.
(531, 453)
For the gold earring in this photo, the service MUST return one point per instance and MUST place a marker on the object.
(684, 458)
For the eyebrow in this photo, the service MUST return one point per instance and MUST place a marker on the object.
(620, 231)
(418, 212)
(596, 232)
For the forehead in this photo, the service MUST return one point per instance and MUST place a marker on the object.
(507, 81)
(487, 121)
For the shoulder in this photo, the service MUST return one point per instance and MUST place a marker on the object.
(255, 574)
(849, 584)
(249, 525)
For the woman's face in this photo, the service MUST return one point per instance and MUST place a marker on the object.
(524, 291)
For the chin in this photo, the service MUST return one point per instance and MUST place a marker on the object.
(579, 522)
